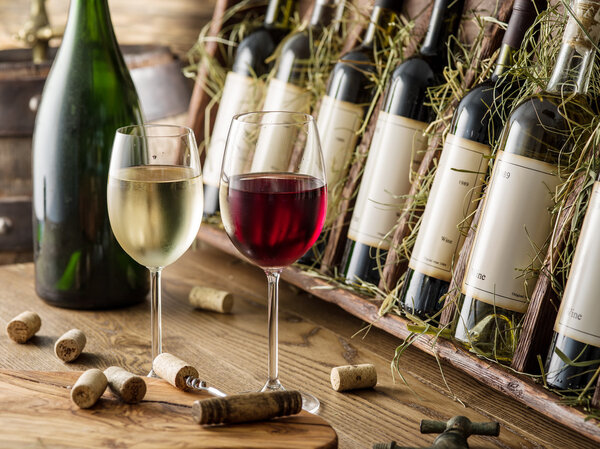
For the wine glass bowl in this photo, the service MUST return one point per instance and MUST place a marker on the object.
(273, 199)
(154, 199)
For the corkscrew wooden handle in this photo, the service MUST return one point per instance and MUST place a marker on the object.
(247, 407)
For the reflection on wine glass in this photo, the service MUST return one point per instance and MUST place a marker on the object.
(273, 212)
(155, 201)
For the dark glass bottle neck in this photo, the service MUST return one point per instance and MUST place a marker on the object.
(381, 19)
(325, 11)
(505, 61)
(444, 22)
(522, 17)
(279, 13)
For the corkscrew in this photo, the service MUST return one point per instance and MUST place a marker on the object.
(224, 409)
(453, 433)
(198, 384)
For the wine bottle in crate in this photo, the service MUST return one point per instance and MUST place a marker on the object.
(244, 90)
(350, 90)
(456, 189)
(536, 149)
(397, 147)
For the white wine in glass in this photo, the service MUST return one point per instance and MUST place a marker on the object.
(155, 200)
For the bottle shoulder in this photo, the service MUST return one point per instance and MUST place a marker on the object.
(543, 126)
(476, 116)
(406, 93)
(252, 52)
(349, 79)
(415, 66)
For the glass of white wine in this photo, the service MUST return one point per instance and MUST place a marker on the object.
(155, 201)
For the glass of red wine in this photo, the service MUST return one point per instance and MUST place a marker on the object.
(273, 200)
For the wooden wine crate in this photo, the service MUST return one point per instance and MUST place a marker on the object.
(539, 319)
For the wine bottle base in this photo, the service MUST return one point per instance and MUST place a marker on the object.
(82, 301)
(563, 376)
(362, 262)
(421, 295)
(488, 330)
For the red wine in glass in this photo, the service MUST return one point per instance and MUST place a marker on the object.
(274, 218)
(273, 205)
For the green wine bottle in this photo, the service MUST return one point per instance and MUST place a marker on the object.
(87, 96)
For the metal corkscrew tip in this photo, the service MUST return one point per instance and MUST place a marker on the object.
(200, 385)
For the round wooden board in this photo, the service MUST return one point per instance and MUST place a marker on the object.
(37, 412)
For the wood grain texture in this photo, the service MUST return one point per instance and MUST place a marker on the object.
(491, 374)
(175, 23)
(230, 353)
(38, 412)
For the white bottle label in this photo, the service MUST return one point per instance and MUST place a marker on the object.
(579, 313)
(397, 147)
(513, 232)
(240, 94)
(453, 197)
(338, 123)
(274, 149)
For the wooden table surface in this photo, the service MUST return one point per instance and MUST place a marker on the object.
(230, 353)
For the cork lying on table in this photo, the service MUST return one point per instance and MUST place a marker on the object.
(173, 370)
(211, 299)
(88, 388)
(70, 345)
(24, 326)
(127, 386)
(353, 377)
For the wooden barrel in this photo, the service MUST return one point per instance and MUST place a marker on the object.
(164, 95)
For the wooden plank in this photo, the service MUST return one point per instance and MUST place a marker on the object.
(175, 23)
(491, 374)
(41, 401)
(230, 353)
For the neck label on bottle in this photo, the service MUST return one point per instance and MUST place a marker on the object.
(396, 150)
(273, 150)
(512, 233)
(453, 197)
(338, 124)
(579, 314)
(240, 94)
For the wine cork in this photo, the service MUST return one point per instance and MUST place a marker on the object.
(247, 407)
(211, 299)
(88, 388)
(173, 370)
(353, 377)
(24, 326)
(129, 387)
(69, 346)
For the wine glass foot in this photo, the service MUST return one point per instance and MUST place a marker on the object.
(309, 403)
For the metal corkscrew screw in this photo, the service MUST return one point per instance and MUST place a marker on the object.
(197, 384)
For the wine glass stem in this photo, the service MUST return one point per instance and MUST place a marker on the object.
(155, 319)
(273, 326)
